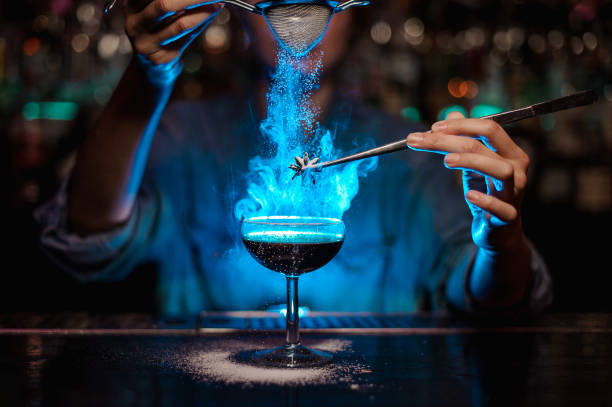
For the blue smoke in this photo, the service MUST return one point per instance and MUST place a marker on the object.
(289, 130)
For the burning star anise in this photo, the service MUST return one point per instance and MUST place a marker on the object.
(303, 164)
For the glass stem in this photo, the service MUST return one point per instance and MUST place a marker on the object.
(293, 318)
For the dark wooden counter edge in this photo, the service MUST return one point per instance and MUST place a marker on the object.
(143, 324)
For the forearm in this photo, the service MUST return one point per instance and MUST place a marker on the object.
(112, 159)
(500, 279)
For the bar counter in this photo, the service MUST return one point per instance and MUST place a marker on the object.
(81, 359)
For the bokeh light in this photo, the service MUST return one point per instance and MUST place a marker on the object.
(216, 39)
(52, 110)
(459, 88)
(471, 90)
(85, 12)
(556, 39)
(108, 45)
(381, 32)
(443, 114)
(80, 42)
(590, 40)
(484, 110)
(456, 87)
(31, 46)
(537, 43)
(412, 113)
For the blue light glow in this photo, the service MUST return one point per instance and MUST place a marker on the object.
(302, 220)
(291, 129)
(293, 236)
(302, 311)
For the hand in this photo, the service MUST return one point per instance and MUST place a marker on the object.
(161, 30)
(494, 175)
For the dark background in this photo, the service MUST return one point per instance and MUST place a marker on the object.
(60, 60)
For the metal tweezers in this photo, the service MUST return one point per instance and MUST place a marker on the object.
(550, 106)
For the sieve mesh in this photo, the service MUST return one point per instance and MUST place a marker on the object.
(298, 26)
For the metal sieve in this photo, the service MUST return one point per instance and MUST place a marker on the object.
(298, 25)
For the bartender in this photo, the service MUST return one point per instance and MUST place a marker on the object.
(158, 183)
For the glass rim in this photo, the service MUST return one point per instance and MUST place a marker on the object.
(285, 221)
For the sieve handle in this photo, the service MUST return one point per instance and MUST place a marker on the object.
(351, 3)
(244, 5)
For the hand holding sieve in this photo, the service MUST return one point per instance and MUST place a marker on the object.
(298, 25)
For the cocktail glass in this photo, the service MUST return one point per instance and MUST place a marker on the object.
(291, 245)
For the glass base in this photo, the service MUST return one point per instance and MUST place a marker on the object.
(286, 356)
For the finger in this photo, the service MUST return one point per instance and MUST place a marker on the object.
(184, 42)
(183, 26)
(180, 28)
(441, 143)
(169, 53)
(496, 168)
(493, 205)
(494, 135)
(174, 50)
(158, 10)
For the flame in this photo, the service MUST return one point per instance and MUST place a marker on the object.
(290, 130)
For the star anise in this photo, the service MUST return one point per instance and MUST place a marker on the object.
(303, 164)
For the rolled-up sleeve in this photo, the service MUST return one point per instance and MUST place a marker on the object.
(107, 256)
(538, 296)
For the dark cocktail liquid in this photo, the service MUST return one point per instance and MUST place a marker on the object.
(293, 253)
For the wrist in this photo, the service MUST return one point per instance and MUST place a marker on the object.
(160, 76)
(508, 240)
(516, 247)
(501, 274)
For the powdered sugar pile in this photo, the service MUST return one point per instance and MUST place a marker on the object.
(216, 364)
(210, 360)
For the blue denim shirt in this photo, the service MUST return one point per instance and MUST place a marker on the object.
(407, 239)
